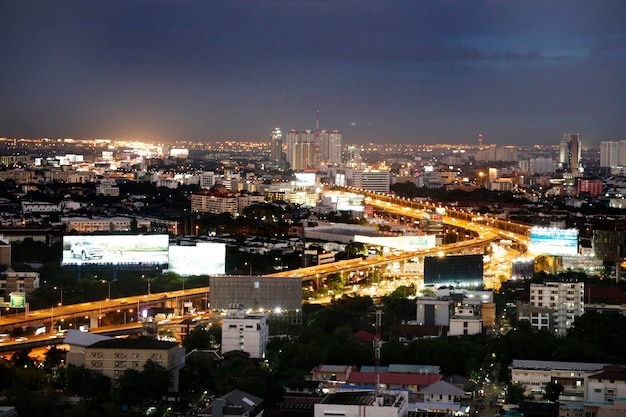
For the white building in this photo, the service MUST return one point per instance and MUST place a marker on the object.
(247, 332)
(605, 392)
(466, 321)
(373, 180)
(609, 154)
(442, 397)
(207, 180)
(534, 375)
(565, 299)
(363, 404)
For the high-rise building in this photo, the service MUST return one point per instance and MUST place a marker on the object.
(609, 154)
(292, 139)
(304, 156)
(330, 147)
(569, 152)
(276, 148)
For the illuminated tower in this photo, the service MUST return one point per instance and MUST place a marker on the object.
(569, 152)
(276, 149)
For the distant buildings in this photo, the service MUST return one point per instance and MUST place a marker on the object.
(311, 149)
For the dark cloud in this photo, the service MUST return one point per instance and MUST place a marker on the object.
(427, 70)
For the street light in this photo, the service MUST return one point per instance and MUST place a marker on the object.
(143, 276)
(61, 291)
(107, 282)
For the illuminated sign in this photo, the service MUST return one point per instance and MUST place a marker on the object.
(115, 250)
(556, 242)
(305, 179)
(206, 258)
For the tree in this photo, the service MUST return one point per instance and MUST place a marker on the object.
(552, 391)
(514, 393)
(152, 383)
(203, 337)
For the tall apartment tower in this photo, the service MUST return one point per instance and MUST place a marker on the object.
(609, 154)
(330, 147)
(292, 139)
(569, 152)
(276, 148)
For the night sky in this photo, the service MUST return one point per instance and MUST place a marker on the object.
(519, 72)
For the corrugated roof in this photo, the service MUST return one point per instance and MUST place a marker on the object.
(142, 342)
(78, 338)
(393, 378)
(442, 387)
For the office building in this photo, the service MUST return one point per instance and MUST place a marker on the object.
(207, 180)
(372, 180)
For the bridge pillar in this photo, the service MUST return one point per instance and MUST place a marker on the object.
(94, 322)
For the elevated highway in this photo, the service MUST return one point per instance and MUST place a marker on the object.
(415, 208)
(97, 309)
(488, 229)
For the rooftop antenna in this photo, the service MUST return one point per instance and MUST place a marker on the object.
(317, 123)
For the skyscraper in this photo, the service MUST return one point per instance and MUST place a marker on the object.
(569, 154)
(276, 149)
(330, 147)
(609, 154)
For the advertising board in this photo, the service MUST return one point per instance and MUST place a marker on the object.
(305, 179)
(115, 250)
(205, 258)
(551, 241)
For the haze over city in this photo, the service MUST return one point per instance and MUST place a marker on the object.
(379, 71)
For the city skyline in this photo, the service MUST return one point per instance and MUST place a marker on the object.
(378, 71)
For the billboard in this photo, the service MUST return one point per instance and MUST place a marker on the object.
(256, 292)
(551, 241)
(408, 243)
(205, 258)
(455, 270)
(305, 179)
(115, 250)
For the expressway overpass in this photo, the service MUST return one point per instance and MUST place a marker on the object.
(413, 208)
(97, 309)
(487, 228)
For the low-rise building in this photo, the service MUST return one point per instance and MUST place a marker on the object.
(112, 357)
(605, 392)
(14, 281)
(534, 375)
(363, 404)
(245, 332)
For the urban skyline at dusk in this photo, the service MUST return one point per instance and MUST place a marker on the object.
(378, 71)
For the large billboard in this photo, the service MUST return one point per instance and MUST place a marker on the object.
(556, 242)
(205, 258)
(115, 250)
(454, 270)
(409, 243)
(256, 292)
